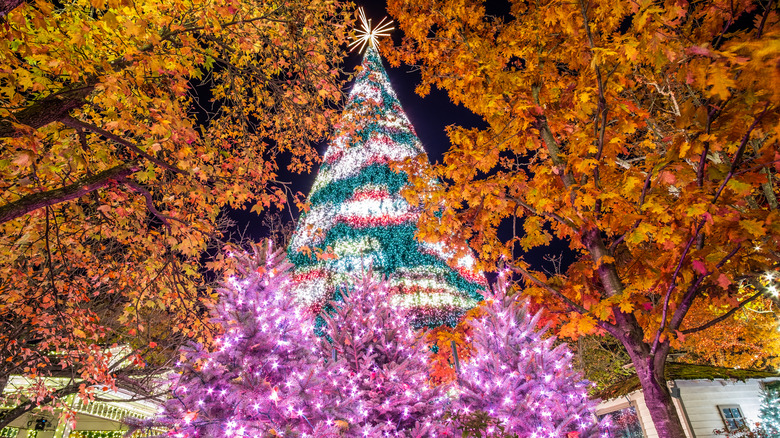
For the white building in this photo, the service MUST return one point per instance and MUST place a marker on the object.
(706, 398)
(96, 419)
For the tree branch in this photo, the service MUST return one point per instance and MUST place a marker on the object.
(672, 285)
(11, 415)
(734, 163)
(645, 188)
(760, 28)
(574, 306)
(53, 108)
(89, 184)
(78, 124)
(552, 145)
(7, 6)
(724, 316)
(690, 295)
(558, 218)
(738, 155)
(601, 117)
(149, 202)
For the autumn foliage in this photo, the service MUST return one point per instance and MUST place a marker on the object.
(114, 170)
(644, 135)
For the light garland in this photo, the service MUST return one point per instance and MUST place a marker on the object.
(102, 434)
(358, 220)
(9, 432)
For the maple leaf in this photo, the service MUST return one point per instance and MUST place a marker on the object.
(724, 281)
(699, 266)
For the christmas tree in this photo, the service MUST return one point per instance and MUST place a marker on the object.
(358, 219)
(517, 377)
(379, 367)
(263, 379)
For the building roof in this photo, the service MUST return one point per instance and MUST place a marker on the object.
(683, 371)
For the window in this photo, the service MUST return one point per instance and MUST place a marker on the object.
(625, 423)
(732, 416)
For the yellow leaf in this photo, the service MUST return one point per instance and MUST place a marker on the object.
(754, 227)
(626, 306)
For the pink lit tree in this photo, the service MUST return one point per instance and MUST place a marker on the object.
(270, 375)
(264, 378)
(519, 380)
(379, 366)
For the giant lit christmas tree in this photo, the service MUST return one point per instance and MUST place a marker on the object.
(358, 219)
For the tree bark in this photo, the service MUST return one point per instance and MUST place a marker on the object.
(7, 6)
(50, 109)
(89, 184)
(658, 398)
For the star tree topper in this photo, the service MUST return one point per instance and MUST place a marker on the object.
(366, 35)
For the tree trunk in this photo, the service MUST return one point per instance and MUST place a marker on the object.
(649, 365)
(650, 370)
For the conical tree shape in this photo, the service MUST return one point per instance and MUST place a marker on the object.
(358, 219)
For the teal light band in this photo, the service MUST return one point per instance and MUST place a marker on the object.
(399, 250)
(340, 190)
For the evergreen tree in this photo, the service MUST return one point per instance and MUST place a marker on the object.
(358, 218)
(270, 375)
(263, 377)
(368, 375)
(770, 409)
(517, 377)
(379, 367)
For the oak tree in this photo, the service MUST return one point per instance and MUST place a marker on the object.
(642, 133)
